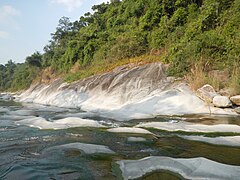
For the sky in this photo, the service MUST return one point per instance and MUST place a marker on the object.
(26, 25)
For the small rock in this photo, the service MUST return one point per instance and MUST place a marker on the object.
(206, 93)
(222, 101)
(236, 99)
(237, 110)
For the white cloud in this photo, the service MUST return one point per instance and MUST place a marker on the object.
(7, 13)
(3, 35)
(7, 20)
(69, 4)
(102, 1)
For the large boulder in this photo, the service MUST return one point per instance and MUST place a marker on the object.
(236, 99)
(222, 101)
(237, 110)
(206, 93)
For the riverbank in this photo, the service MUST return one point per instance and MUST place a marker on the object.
(126, 93)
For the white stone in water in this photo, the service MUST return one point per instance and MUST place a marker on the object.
(133, 130)
(222, 140)
(222, 101)
(23, 112)
(70, 122)
(86, 148)
(193, 168)
(136, 139)
(191, 127)
(79, 115)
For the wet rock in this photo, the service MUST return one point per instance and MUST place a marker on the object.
(132, 130)
(222, 101)
(236, 99)
(221, 140)
(206, 93)
(6, 97)
(136, 139)
(188, 168)
(86, 148)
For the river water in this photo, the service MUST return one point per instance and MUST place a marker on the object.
(31, 153)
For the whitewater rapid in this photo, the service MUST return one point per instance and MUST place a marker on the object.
(53, 142)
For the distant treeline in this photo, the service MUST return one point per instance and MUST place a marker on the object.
(182, 32)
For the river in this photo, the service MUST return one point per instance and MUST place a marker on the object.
(27, 152)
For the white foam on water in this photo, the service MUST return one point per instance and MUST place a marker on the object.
(86, 148)
(70, 122)
(74, 135)
(193, 168)
(222, 140)
(129, 130)
(190, 127)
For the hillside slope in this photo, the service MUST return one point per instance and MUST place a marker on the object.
(193, 36)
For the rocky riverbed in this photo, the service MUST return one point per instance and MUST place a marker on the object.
(125, 124)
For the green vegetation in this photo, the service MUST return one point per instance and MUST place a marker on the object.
(195, 37)
(14, 77)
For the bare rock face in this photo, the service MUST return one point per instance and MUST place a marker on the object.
(127, 92)
(126, 83)
(222, 101)
(236, 99)
(207, 93)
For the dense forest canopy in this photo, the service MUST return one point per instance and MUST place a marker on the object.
(182, 32)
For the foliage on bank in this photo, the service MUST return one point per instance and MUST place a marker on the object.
(183, 33)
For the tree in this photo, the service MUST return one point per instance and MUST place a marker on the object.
(115, 1)
(35, 59)
(64, 26)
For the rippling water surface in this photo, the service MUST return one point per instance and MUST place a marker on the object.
(32, 153)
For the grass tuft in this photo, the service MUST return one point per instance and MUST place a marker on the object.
(99, 67)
